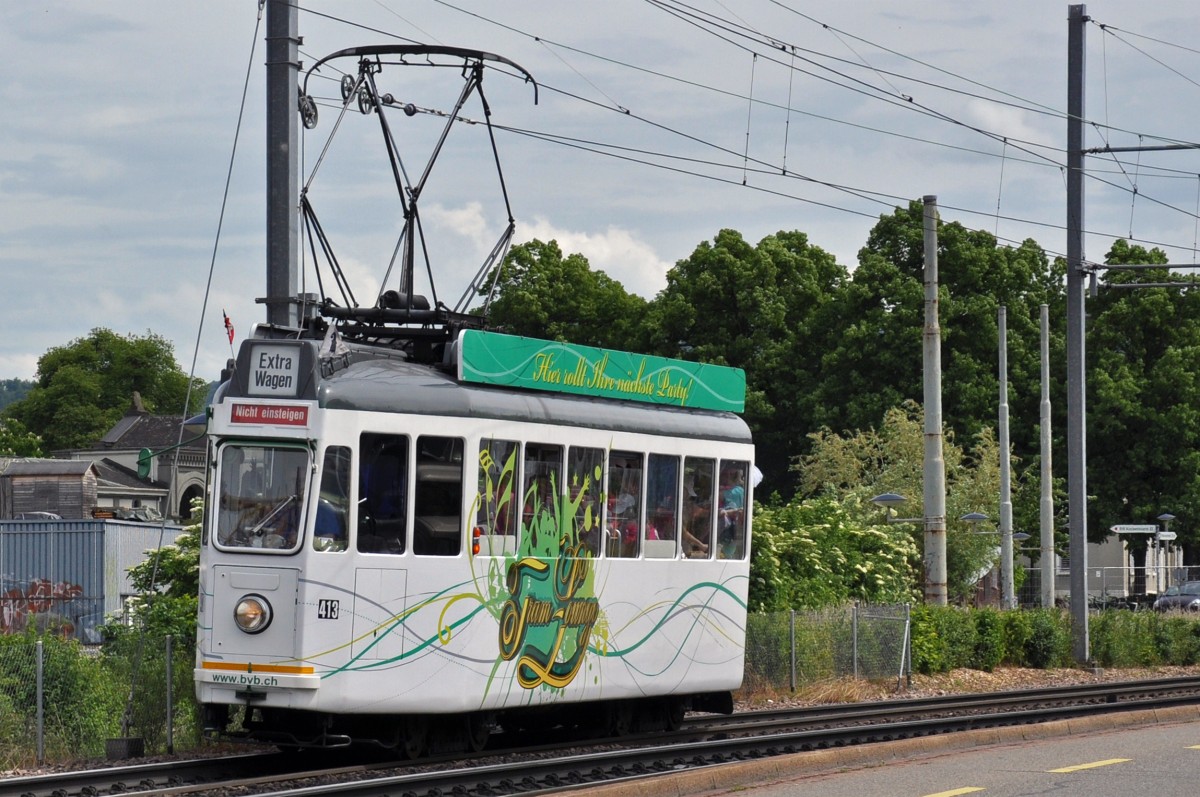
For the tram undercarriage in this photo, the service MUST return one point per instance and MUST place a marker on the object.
(416, 735)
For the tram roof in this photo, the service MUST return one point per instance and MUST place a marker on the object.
(392, 385)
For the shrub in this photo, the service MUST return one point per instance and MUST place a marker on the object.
(1121, 638)
(1018, 632)
(943, 638)
(958, 629)
(989, 639)
(928, 648)
(148, 707)
(1178, 640)
(79, 706)
(1049, 643)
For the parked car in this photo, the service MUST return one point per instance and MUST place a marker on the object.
(1184, 597)
(38, 516)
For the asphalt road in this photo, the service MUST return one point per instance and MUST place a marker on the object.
(1150, 753)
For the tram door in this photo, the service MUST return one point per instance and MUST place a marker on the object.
(380, 600)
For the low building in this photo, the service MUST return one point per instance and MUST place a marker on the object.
(176, 472)
(65, 488)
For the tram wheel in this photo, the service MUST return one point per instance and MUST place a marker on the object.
(620, 718)
(477, 730)
(674, 710)
(414, 736)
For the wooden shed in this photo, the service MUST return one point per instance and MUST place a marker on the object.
(64, 487)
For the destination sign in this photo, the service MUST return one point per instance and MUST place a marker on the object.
(513, 361)
(274, 370)
(270, 414)
(1143, 528)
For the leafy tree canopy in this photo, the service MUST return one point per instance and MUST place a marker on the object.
(83, 388)
(545, 295)
(854, 467)
(760, 308)
(17, 441)
(873, 360)
(1143, 398)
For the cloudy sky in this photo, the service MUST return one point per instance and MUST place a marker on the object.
(657, 125)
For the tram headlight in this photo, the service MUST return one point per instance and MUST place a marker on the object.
(252, 614)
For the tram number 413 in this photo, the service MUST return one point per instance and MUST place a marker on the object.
(327, 609)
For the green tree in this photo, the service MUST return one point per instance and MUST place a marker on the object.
(759, 308)
(821, 552)
(542, 294)
(84, 388)
(874, 359)
(17, 441)
(1143, 400)
(854, 467)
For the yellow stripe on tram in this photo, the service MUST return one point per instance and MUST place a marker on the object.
(1106, 762)
(282, 669)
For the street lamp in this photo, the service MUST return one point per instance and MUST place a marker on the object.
(889, 502)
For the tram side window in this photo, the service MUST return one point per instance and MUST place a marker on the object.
(662, 507)
(731, 534)
(624, 522)
(585, 467)
(540, 487)
(333, 501)
(437, 522)
(699, 486)
(382, 493)
(496, 502)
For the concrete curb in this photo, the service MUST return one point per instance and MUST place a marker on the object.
(722, 777)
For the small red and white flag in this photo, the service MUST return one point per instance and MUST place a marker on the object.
(228, 327)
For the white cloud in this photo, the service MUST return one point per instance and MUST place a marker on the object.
(18, 365)
(615, 251)
(467, 222)
(1012, 123)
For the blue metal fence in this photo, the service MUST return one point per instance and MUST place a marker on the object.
(68, 575)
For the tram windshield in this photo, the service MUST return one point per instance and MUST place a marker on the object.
(261, 495)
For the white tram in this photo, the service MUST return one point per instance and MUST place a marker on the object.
(401, 553)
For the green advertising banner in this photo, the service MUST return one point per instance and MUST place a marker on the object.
(491, 358)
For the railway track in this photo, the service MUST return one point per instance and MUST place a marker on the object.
(705, 741)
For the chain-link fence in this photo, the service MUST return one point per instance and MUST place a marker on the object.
(61, 701)
(785, 650)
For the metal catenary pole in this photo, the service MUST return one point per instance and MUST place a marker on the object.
(1007, 585)
(935, 466)
(1076, 318)
(1046, 561)
(283, 186)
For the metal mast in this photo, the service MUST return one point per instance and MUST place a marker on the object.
(283, 69)
(935, 465)
(1076, 320)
